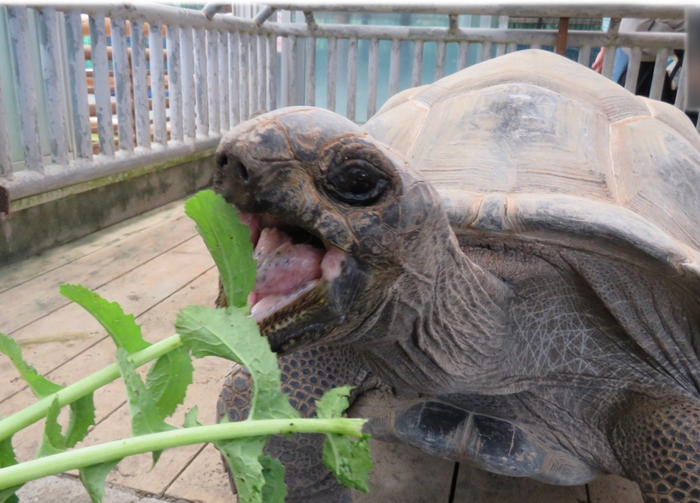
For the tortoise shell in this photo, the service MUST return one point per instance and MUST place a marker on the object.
(537, 146)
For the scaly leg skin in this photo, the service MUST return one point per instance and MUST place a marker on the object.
(658, 445)
(306, 376)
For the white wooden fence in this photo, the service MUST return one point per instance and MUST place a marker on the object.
(180, 80)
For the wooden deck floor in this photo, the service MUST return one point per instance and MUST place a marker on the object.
(154, 265)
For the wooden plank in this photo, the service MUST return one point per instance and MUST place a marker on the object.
(203, 480)
(474, 484)
(262, 65)
(463, 58)
(253, 80)
(18, 29)
(562, 36)
(657, 79)
(417, 68)
(55, 102)
(122, 78)
(155, 41)
(243, 94)
(5, 155)
(395, 67)
(234, 43)
(174, 82)
(633, 69)
(140, 72)
(373, 70)
(272, 72)
(188, 90)
(292, 45)
(440, 60)
(609, 61)
(78, 85)
(584, 55)
(352, 78)
(98, 40)
(332, 73)
(22, 307)
(222, 52)
(154, 293)
(22, 272)
(310, 90)
(503, 25)
(200, 82)
(614, 489)
(213, 81)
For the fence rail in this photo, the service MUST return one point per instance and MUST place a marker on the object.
(166, 82)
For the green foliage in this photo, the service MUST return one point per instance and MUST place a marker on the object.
(40, 386)
(94, 477)
(229, 333)
(228, 241)
(7, 458)
(168, 379)
(243, 458)
(349, 460)
(121, 327)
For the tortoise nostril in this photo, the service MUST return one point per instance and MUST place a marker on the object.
(241, 171)
(221, 161)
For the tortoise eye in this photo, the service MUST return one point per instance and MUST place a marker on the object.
(356, 182)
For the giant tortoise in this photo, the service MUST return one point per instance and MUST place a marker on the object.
(504, 263)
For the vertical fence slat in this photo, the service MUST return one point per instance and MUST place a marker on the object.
(373, 70)
(272, 72)
(174, 82)
(5, 155)
(200, 84)
(332, 73)
(100, 68)
(352, 78)
(657, 79)
(503, 25)
(310, 98)
(488, 50)
(633, 69)
(680, 101)
(155, 42)
(292, 70)
(78, 85)
(440, 60)
(512, 47)
(122, 84)
(54, 90)
(222, 52)
(188, 91)
(243, 94)
(234, 43)
(213, 81)
(534, 46)
(138, 65)
(417, 69)
(463, 58)
(584, 55)
(609, 61)
(262, 64)
(253, 72)
(394, 67)
(19, 37)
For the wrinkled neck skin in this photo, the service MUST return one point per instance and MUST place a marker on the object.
(443, 326)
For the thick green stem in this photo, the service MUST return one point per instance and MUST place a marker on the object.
(11, 425)
(112, 451)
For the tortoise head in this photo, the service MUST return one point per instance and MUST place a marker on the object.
(336, 217)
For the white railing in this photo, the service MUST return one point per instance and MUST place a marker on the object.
(213, 73)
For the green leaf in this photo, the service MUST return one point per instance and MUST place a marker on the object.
(333, 403)
(168, 379)
(349, 460)
(53, 442)
(94, 477)
(242, 457)
(228, 241)
(191, 418)
(274, 490)
(40, 386)
(7, 458)
(229, 333)
(82, 416)
(145, 417)
(121, 327)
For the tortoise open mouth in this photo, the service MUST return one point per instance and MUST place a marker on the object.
(293, 268)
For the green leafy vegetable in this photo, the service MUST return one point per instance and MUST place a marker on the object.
(145, 417)
(53, 441)
(191, 418)
(243, 458)
(39, 385)
(229, 333)
(349, 460)
(121, 327)
(94, 478)
(168, 379)
(7, 458)
(228, 241)
(82, 416)
(274, 490)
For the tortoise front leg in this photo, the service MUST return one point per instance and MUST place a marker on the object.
(306, 375)
(658, 446)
